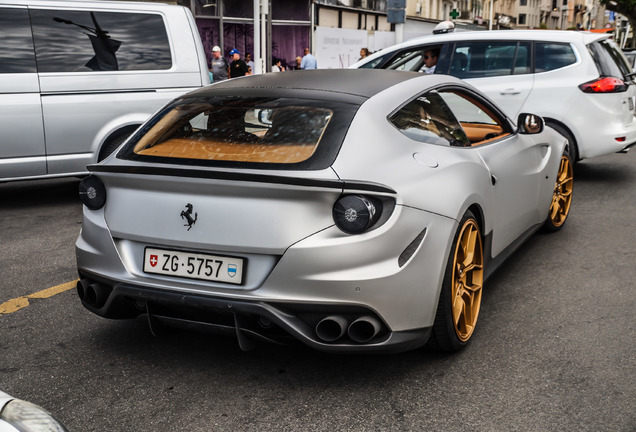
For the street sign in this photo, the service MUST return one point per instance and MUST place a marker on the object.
(396, 4)
(396, 16)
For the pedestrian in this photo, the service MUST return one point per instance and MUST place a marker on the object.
(219, 66)
(238, 67)
(249, 61)
(277, 66)
(308, 61)
(364, 53)
(297, 65)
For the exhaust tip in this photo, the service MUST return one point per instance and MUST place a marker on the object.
(81, 288)
(331, 328)
(364, 329)
(95, 295)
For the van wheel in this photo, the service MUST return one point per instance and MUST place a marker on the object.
(572, 148)
(112, 144)
(460, 297)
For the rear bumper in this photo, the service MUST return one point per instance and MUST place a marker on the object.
(250, 321)
(389, 278)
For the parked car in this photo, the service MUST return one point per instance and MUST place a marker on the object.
(630, 55)
(577, 81)
(77, 78)
(353, 210)
(20, 416)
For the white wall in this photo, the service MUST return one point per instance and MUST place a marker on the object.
(340, 48)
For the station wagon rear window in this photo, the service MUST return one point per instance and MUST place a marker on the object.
(226, 131)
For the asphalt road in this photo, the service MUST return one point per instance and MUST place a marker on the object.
(555, 348)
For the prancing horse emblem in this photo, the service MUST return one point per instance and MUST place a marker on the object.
(187, 215)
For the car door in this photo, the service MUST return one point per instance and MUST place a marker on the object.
(22, 148)
(516, 163)
(501, 70)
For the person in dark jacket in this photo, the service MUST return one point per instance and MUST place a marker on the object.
(238, 67)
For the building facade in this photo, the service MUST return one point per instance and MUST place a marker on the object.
(336, 30)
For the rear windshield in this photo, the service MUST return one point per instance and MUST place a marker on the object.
(608, 59)
(257, 133)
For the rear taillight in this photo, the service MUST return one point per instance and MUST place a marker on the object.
(92, 192)
(604, 85)
(354, 214)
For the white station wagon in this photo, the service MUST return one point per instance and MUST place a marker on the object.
(579, 82)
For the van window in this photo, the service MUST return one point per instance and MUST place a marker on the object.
(551, 55)
(488, 59)
(82, 41)
(16, 50)
(428, 119)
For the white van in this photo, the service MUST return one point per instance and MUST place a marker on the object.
(78, 77)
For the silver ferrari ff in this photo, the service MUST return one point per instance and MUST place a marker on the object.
(351, 210)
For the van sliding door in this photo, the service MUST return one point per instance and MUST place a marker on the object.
(22, 150)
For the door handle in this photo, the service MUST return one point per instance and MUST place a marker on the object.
(510, 91)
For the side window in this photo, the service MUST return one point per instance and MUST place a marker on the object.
(608, 59)
(16, 50)
(407, 60)
(80, 41)
(487, 59)
(374, 64)
(523, 65)
(479, 123)
(551, 55)
(428, 119)
(415, 59)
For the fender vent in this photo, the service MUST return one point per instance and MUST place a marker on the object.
(411, 248)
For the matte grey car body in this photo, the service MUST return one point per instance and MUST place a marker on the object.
(78, 77)
(304, 275)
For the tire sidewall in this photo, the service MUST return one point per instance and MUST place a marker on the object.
(444, 335)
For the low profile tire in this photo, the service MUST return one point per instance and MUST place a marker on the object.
(460, 297)
(112, 144)
(562, 196)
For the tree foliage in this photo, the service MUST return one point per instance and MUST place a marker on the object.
(627, 8)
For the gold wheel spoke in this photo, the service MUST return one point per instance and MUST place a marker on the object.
(467, 280)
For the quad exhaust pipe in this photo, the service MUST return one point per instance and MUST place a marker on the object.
(361, 330)
(364, 329)
(331, 328)
(92, 293)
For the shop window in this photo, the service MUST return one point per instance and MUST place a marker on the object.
(290, 10)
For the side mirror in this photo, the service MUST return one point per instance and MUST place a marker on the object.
(529, 124)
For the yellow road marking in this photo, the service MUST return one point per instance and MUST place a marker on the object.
(22, 302)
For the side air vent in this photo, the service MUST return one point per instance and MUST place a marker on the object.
(411, 248)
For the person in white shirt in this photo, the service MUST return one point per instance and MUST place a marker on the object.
(277, 66)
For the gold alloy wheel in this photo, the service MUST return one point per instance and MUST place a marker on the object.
(468, 280)
(562, 197)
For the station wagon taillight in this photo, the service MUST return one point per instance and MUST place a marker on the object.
(604, 85)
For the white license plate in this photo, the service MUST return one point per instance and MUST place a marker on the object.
(194, 265)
